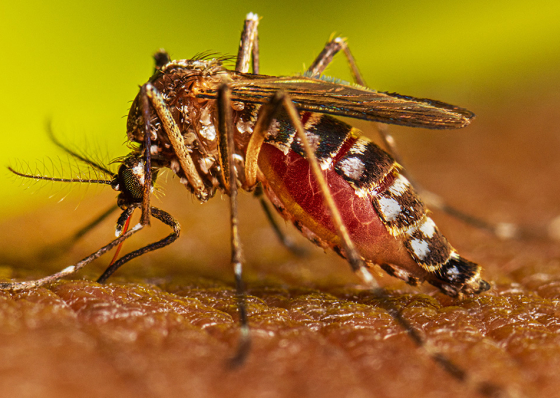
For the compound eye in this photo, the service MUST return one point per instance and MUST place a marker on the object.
(131, 180)
(132, 184)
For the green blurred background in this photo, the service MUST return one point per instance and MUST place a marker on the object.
(80, 63)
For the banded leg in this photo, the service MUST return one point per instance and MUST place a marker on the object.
(501, 230)
(26, 285)
(162, 216)
(326, 56)
(249, 45)
(229, 176)
(248, 49)
(146, 188)
(175, 137)
(156, 213)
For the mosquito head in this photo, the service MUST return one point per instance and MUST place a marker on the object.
(130, 181)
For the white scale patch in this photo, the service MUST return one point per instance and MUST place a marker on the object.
(68, 270)
(247, 125)
(174, 165)
(390, 208)
(359, 146)
(285, 147)
(420, 248)
(313, 139)
(325, 163)
(206, 164)
(238, 158)
(208, 132)
(428, 228)
(401, 274)
(244, 126)
(190, 138)
(205, 117)
(273, 129)
(452, 273)
(400, 185)
(138, 171)
(353, 168)
(252, 16)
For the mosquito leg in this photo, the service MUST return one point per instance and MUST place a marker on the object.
(248, 46)
(177, 141)
(256, 61)
(26, 285)
(147, 187)
(318, 66)
(266, 116)
(165, 218)
(284, 239)
(229, 176)
(332, 47)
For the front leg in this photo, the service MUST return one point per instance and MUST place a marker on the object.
(176, 138)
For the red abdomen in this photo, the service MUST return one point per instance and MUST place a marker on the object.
(290, 185)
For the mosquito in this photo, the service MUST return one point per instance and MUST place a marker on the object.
(222, 130)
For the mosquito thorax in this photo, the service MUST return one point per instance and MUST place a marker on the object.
(180, 84)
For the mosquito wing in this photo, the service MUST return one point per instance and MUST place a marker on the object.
(335, 98)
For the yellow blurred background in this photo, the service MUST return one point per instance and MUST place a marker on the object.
(80, 63)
